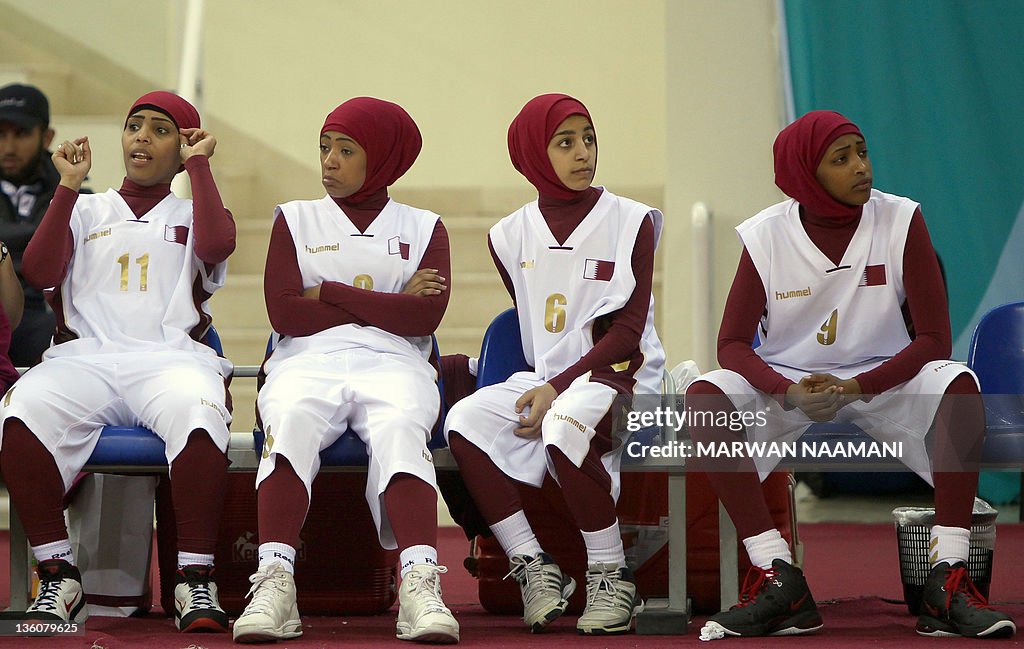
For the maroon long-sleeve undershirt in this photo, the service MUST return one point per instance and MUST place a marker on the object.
(926, 299)
(291, 314)
(627, 324)
(48, 254)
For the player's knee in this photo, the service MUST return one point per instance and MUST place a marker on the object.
(703, 388)
(457, 418)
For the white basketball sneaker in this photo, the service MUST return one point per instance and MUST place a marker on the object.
(612, 601)
(544, 587)
(273, 613)
(422, 615)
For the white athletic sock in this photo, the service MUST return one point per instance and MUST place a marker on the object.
(515, 535)
(194, 559)
(949, 544)
(416, 555)
(277, 553)
(605, 546)
(767, 547)
(56, 550)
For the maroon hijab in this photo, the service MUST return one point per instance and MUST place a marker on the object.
(798, 151)
(182, 113)
(386, 132)
(528, 138)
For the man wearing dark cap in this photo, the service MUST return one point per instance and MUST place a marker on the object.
(27, 180)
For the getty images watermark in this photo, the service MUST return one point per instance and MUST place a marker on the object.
(661, 419)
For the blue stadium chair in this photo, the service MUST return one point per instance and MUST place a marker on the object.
(349, 450)
(135, 446)
(996, 355)
(501, 354)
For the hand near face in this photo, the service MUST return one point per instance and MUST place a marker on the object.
(196, 141)
(538, 400)
(73, 160)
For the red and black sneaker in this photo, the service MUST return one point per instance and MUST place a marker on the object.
(952, 606)
(776, 601)
(60, 597)
(196, 609)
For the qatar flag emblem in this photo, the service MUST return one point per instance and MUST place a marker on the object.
(176, 233)
(598, 269)
(397, 247)
(873, 276)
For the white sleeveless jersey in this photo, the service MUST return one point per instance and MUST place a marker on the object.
(330, 248)
(562, 289)
(821, 317)
(134, 284)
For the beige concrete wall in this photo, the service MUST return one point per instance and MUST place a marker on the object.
(143, 35)
(724, 102)
(462, 68)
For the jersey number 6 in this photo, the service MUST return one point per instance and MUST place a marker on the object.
(554, 313)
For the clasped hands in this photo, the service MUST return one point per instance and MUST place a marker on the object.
(820, 396)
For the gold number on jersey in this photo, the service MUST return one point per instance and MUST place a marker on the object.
(827, 334)
(7, 397)
(554, 313)
(268, 444)
(363, 281)
(143, 262)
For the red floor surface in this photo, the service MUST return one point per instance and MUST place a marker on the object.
(852, 569)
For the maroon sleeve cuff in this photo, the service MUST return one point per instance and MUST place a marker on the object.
(48, 254)
(214, 228)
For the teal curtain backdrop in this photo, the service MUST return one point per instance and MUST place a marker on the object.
(937, 87)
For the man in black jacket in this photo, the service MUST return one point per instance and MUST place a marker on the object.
(28, 181)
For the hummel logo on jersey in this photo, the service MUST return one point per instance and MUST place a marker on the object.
(176, 233)
(428, 457)
(329, 247)
(396, 247)
(97, 235)
(526, 264)
(803, 292)
(599, 270)
(873, 276)
(211, 404)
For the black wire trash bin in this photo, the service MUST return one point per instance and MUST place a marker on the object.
(913, 535)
